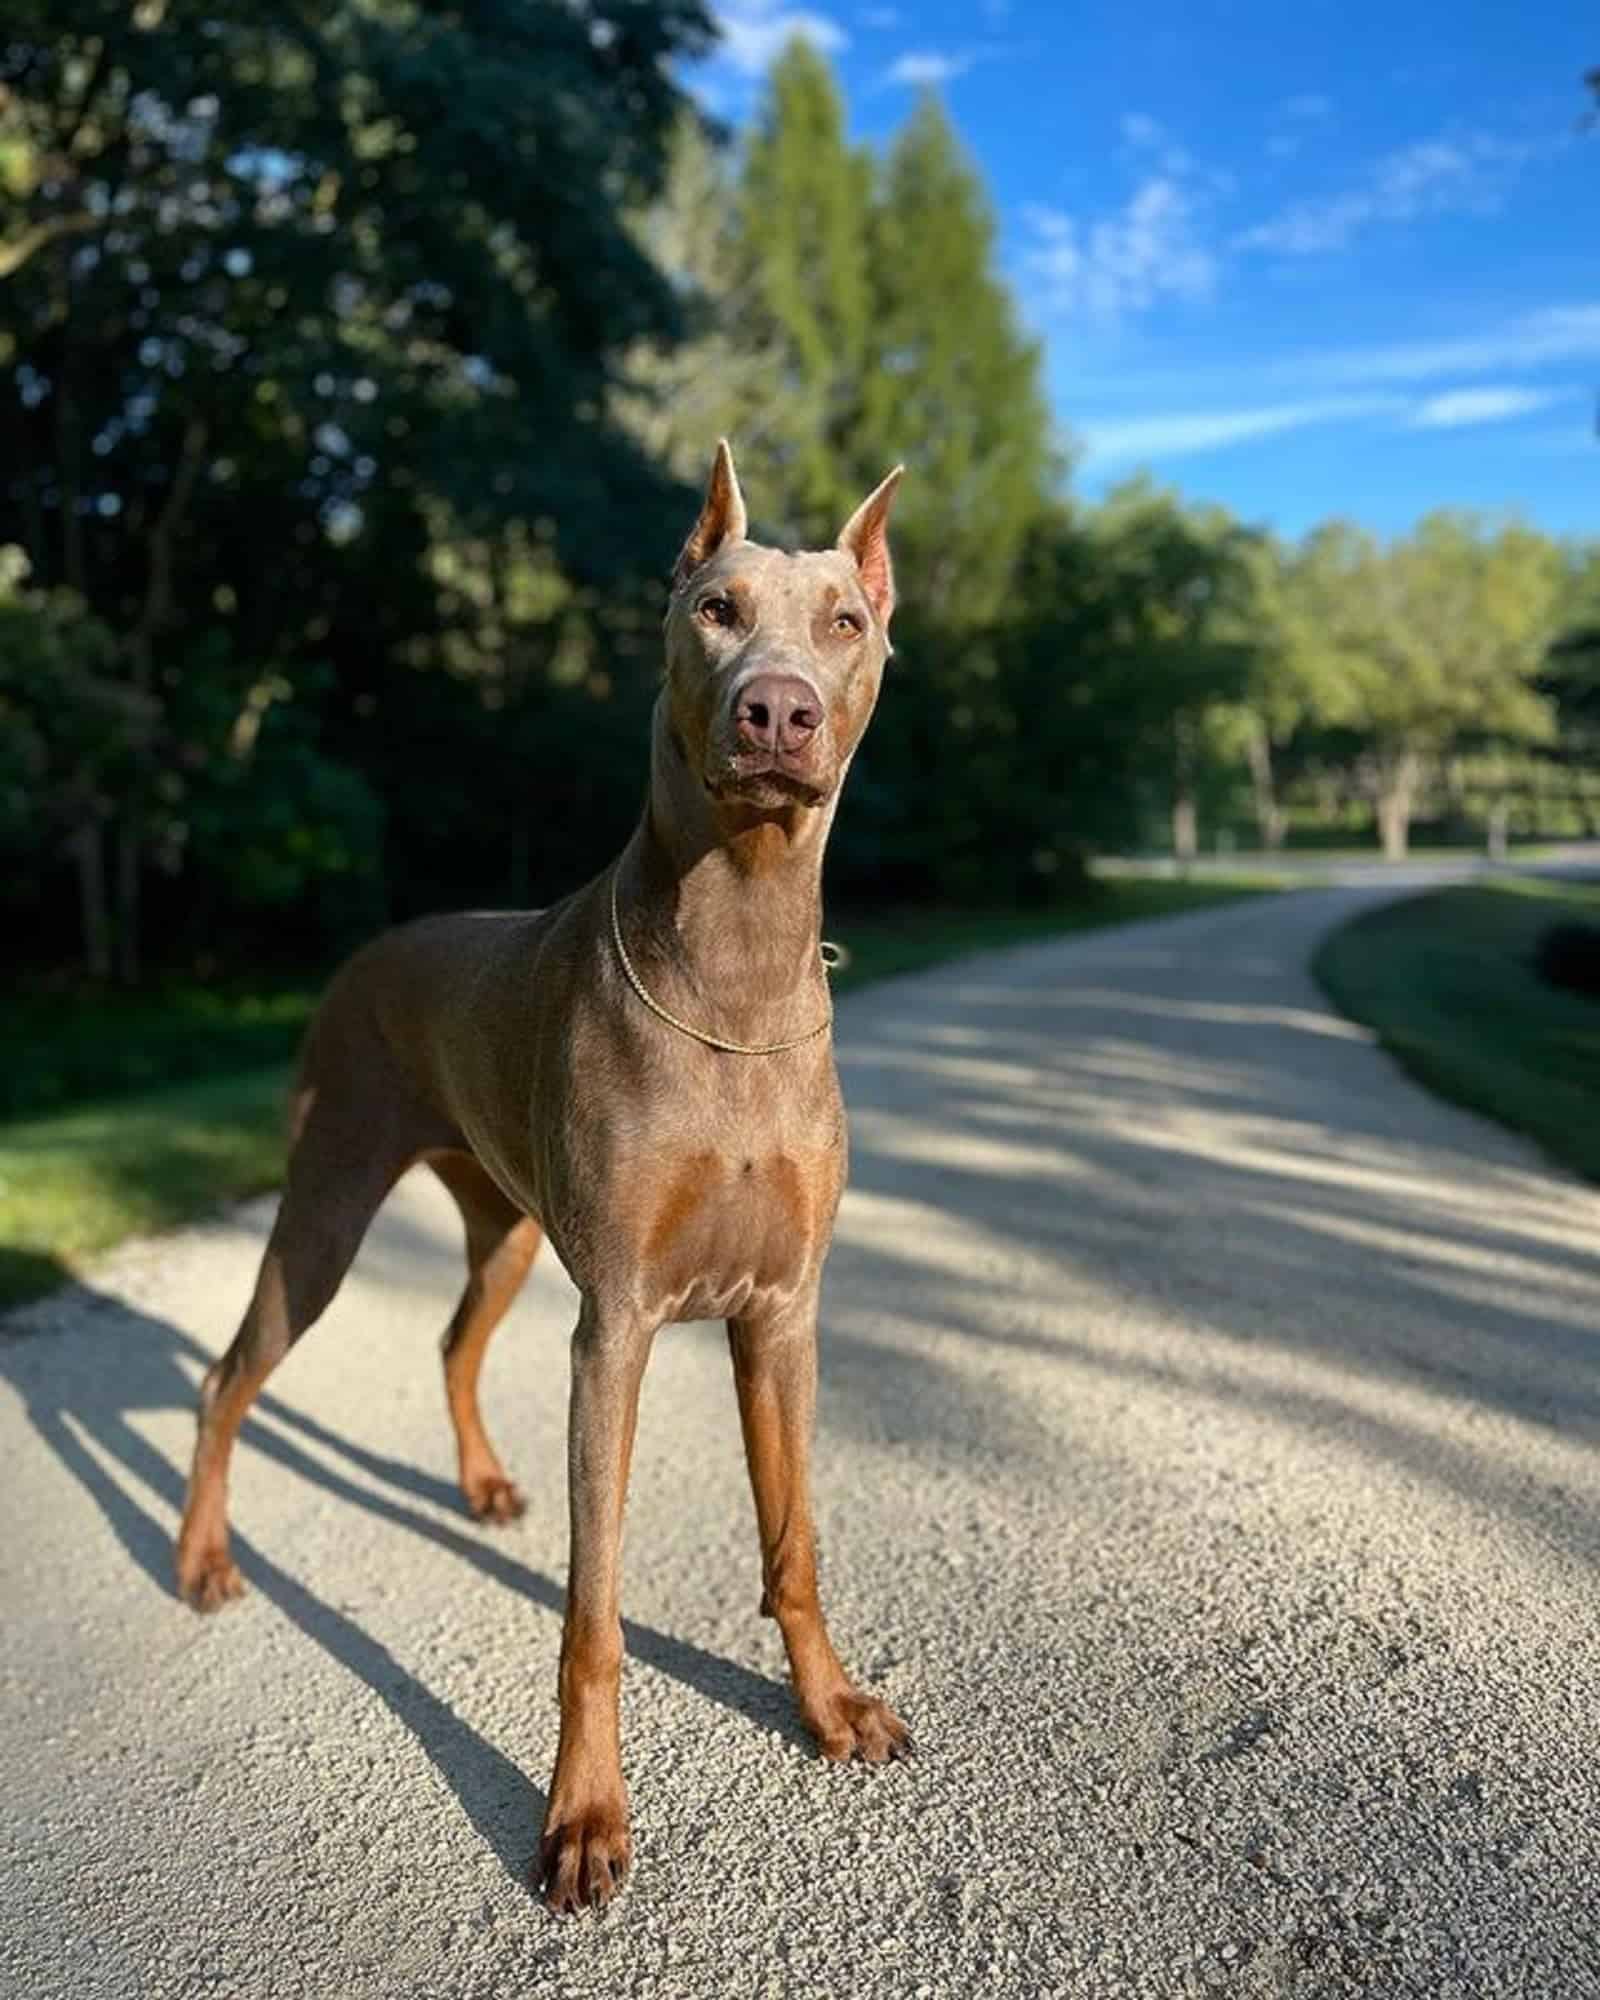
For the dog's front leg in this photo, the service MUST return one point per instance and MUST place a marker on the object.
(775, 1370)
(585, 1849)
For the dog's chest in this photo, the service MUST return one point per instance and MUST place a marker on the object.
(726, 1230)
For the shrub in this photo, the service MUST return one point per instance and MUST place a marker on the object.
(1569, 955)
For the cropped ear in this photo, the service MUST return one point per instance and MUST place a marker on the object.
(865, 537)
(722, 518)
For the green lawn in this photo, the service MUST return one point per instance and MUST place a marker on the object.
(75, 1181)
(78, 1181)
(85, 1043)
(1447, 981)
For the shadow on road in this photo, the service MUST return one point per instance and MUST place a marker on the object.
(1195, 1135)
(150, 1365)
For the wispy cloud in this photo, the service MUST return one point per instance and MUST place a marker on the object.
(928, 68)
(1140, 129)
(1157, 245)
(1298, 121)
(1147, 144)
(1122, 263)
(1455, 409)
(1183, 433)
(1180, 434)
(1432, 177)
(1541, 339)
(754, 32)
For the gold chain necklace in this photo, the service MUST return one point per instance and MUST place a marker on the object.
(699, 1034)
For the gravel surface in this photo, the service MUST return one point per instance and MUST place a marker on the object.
(1207, 1470)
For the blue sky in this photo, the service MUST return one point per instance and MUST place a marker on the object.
(1305, 259)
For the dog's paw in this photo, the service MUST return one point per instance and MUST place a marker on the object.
(495, 1499)
(583, 1862)
(852, 1724)
(208, 1579)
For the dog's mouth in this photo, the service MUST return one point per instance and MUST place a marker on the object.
(763, 781)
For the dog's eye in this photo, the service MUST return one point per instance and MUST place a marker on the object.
(847, 625)
(719, 611)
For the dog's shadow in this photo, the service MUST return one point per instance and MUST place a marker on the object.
(82, 1397)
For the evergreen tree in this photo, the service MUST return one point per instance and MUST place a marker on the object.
(722, 379)
(951, 385)
(804, 299)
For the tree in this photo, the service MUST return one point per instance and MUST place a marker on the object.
(1283, 702)
(1421, 647)
(722, 378)
(1570, 677)
(802, 296)
(292, 291)
(1181, 583)
(70, 731)
(950, 384)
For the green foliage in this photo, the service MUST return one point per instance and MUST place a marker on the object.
(354, 364)
(1402, 654)
(950, 384)
(297, 303)
(803, 296)
(68, 727)
(1570, 680)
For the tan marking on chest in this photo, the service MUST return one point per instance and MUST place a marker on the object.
(692, 1181)
(793, 1193)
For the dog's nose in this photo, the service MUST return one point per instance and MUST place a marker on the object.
(778, 713)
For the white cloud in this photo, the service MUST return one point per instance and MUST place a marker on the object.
(1432, 177)
(1456, 408)
(1533, 340)
(1298, 121)
(1182, 433)
(1146, 139)
(920, 68)
(754, 32)
(1122, 263)
(1179, 434)
(1139, 129)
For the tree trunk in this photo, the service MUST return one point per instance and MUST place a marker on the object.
(1499, 829)
(1271, 820)
(128, 901)
(94, 920)
(1185, 814)
(1185, 827)
(1397, 787)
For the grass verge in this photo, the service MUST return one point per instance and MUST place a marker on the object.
(1447, 981)
(85, 1044)
(74, 1182)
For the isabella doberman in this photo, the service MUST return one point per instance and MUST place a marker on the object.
(645, 1075)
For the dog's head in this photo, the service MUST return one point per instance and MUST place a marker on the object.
(774, 660)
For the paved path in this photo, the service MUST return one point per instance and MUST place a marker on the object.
(1208, 1469)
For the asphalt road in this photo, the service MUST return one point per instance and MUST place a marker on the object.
(1207, 1470)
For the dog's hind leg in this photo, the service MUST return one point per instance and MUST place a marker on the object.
(502, 1243)
(344, 1161)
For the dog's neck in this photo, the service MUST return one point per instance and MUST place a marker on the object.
(722, 905)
